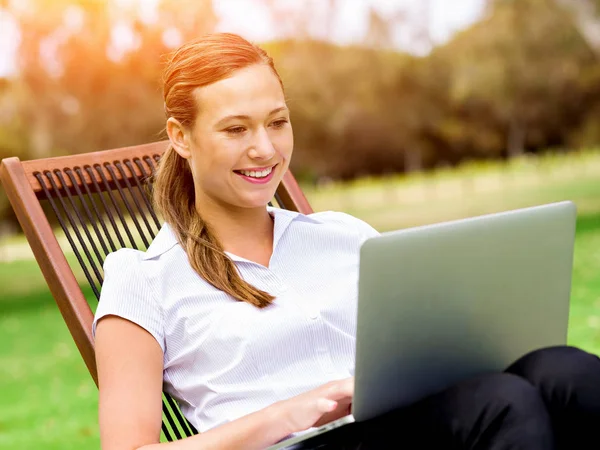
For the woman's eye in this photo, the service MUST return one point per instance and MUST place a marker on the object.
(279, 123)
(235, 130)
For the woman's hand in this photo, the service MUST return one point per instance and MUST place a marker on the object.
(316, 407)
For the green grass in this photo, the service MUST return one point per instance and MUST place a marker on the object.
(584, 319)
(48, 398)
(49, 401)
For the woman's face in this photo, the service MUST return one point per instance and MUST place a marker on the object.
(241, 143)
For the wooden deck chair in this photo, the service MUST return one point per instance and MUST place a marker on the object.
(101, 201)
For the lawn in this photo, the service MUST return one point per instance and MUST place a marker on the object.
(49, 401)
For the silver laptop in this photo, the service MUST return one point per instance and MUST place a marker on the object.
(441, 303)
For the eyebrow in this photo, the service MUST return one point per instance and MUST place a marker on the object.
(244, 117)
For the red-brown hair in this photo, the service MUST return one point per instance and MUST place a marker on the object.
(196, 64)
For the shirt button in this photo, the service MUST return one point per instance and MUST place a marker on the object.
(313, 314)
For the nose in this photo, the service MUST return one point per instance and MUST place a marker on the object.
(262, 147)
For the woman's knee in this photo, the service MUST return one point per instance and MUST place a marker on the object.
(502, 408)
(496, 394)
(474, 413)
(506, 390)
(557, 366)
(568, 380)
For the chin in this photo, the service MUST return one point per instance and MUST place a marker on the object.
(261, 202)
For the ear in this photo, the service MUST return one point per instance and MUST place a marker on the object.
(178, 137)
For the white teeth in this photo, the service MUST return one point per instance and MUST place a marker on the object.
(255, 174)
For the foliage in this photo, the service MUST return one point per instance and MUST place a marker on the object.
(526, 77)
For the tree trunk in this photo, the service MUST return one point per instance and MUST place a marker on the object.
(413, 160)
(515, 145)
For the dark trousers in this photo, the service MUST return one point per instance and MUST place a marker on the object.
(547, 400)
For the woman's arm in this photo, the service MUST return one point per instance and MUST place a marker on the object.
(130, 370)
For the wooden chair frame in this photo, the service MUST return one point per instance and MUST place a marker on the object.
(25, 187)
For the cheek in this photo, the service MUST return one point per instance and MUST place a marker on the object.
(284, 143)
(219, 157)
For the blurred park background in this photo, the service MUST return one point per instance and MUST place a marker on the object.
(405, 112)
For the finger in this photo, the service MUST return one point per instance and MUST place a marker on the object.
(349, 384)
(325, 405)
(341, 390)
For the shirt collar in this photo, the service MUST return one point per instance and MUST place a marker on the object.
(166, 239)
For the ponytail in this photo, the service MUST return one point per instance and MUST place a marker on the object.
(174, 198)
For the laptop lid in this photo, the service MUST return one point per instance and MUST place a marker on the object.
(444, 302)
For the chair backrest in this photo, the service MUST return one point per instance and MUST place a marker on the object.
(102, 202)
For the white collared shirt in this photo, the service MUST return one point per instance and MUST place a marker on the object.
(223, 358)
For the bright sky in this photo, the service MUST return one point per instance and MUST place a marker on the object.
(9, 40)
(251, 19)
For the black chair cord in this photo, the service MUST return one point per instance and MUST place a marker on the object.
(90, 172)
(148, 161)
(74, 226)
(126, 203)
(59, 174)
(165, 430)
(88, 213)
(139, 182)
(99, 217)
(98, 168)
(171, 421)
(119, 167)
(279, 201)
(182, 421)
(65, 229)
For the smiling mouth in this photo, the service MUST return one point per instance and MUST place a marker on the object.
(257, 174)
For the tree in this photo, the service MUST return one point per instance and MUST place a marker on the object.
(89, 74)
(586, 17)
(525, 59)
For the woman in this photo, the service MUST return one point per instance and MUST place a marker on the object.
(246, 314)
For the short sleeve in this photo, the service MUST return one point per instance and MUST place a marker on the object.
(126, 293)
(364, 230)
